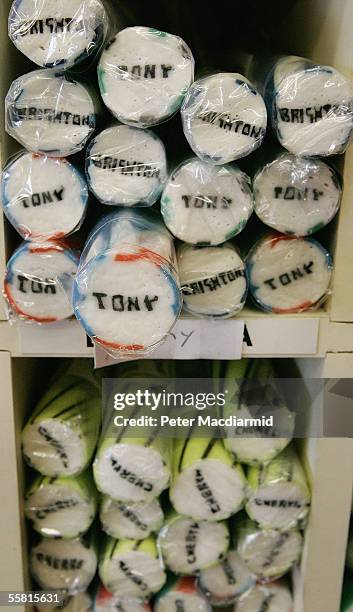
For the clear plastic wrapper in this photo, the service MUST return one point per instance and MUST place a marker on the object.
(43, 198)
(181, 595)
(61, 434)
(144, 75)
(258, 446)
(207, 484)
(39, 280)
(132, 469)
(68, 565)
(135, 521)
(278, 495)
(50, 113)
(275, 597)
(126, 166)
(295, 195)
(311, 107)
(126, 293)
(131, 568)
(224, 117)
(81, 602)
(188, 546)
(61, 507)
(288, 275)
(206, 205)
(108, 602)
(213, 280)
(58, 33)
(225, 582)
(268, 553)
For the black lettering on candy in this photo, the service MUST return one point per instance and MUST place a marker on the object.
(121, 303)
(289, 277)
(37, 199)
(190, 539)
(125, 167)
(230, 124)
(294, 193)
(206, 201)
(36, 285)
(130, 476)
(62, 564)
(213, 283)
(311, 114)
(52, 116)
(206, 492)
(147, 71)
(133, 576)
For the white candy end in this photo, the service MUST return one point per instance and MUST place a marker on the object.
(223, 483)
(288, 275)
(313, 108)
(144, 74)
(126, 166)
(149, 576)
(188, 546)
(225, 582)
(213, 280)
(38, 282)
(133, 521)
(296, 196)
(61, 564)
(206, 205)
(59, 511)
(43, 198)
(131, 473)
(49, 113)
(224, 118)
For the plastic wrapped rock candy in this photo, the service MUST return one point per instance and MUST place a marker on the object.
(288, 274)
(108, 602)
(181, 595)
(131, 568)
(61, 507)
(61, 434)
(252, 391)
(204, 204)
(38, 282)
(213, 280)
(57, 34)
(279, 496)
(224, 117)
(144, 74)
(126, 293)
(296, 195)
(226, 581)
(130, 469)
(187, 546)
(126, 166)
(50, 113)
(43, 198)
(207, 483)
(268, 553)
(64, 564)
(135, 521)
(311, 106)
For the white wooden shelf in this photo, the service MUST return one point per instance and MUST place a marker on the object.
(311, 335)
